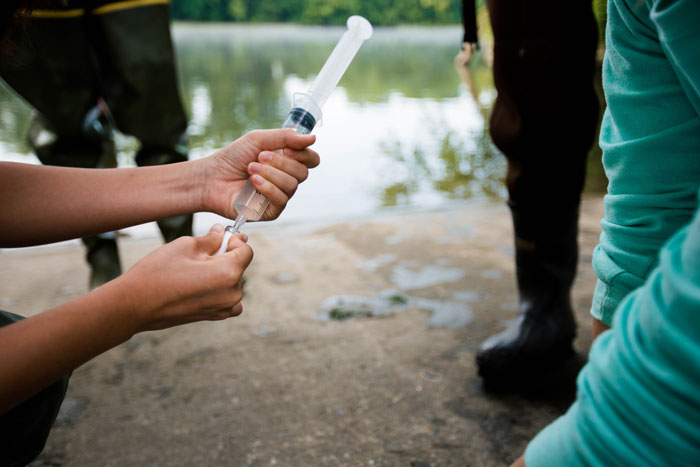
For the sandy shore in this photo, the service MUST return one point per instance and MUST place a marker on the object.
(285, 384)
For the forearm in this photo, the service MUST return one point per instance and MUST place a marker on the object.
(42, 204)
(39, 350)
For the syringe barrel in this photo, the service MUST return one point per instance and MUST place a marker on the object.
(250, 202)
(302, 119)
(359, 30)
(306, 111)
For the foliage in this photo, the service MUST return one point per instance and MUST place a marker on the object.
(601, 14)
(378, 12)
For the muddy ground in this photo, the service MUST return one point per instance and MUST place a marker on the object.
(287, 383)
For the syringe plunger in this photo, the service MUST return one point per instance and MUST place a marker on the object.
(250, 204)
(359, 30)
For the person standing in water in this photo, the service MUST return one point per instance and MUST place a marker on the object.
(544, 121)
(90, 68)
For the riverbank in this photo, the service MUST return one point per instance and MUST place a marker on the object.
(356, 347)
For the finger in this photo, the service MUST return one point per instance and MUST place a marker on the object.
(242, 256)
(279, 139)
(286, 164)
(223, 314)
(226, 313)
(308, 157)
(237, 241)
(211, 242)
(217, 229)
(230, 241)
(269, 190)
(284, 181)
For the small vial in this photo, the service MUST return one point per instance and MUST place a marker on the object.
(229, 232)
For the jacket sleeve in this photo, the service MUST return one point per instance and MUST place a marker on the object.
(469, 21)
(637, 399)
(677, 22)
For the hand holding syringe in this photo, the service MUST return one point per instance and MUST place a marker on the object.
(306, 112)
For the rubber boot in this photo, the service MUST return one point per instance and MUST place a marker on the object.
(540, 341)
(103, 257)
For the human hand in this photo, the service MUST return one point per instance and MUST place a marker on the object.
(183, 282)
(276, 161)
(464, 55)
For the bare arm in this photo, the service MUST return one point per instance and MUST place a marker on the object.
(43, 204)
(179, 283)
(46, 204)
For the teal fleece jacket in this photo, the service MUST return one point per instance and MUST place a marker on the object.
(638, 400)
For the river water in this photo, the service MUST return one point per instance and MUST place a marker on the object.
(406, 128)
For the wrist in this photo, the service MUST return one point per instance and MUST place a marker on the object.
(120, 308)
(202, 179)
(199, 172)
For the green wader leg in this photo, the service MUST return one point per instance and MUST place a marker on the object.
(136, 56)
(92, 148)
(52, 67)
(63, 65)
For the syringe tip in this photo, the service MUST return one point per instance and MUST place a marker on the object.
(240, 220)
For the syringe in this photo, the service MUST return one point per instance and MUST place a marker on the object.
(250, 204)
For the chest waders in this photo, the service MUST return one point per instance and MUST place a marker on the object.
(544, 121)
(93, 67)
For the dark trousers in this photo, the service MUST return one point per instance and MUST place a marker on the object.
(63, 65)
(25, 428)
(69, 67)
(545, 116)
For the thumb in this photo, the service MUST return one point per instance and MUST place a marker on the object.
(211, 242)
(243, 254)
(271, 140)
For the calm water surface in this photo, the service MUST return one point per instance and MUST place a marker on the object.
(403, 129)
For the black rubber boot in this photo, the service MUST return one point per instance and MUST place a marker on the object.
(540, 341)
(103, 257)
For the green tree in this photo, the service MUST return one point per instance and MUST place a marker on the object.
(379, 12)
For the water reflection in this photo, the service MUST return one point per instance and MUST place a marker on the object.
(459, 170)
(401, 110)
(403, 129)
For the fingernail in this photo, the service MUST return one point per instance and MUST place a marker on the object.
(254, 167)
(216, 228)
(265, 157)
(243, 237)
(257, 180)
(290, 152)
